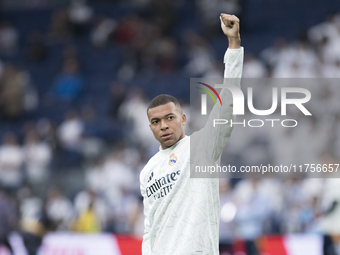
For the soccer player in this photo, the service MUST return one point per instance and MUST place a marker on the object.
(182, 213)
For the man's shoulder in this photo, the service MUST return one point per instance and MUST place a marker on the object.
(150, 162)
(162, 154)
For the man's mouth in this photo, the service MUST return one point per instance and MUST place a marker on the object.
(166, 136)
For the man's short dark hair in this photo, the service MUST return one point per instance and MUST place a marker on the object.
(162, 100)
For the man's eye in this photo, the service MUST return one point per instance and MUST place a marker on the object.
(154, 122)
(170, 117)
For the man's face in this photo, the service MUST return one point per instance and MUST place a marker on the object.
(167, 124)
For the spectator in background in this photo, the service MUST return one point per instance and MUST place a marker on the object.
(132, 34)
(137, 131)
(70, 131)
(329, 223)
(48, 131)
(119, 177)
(88, 221)
(91, 121)
(125, 213)
(166, 58)
(12, 85)
(1, 69)
(92, 212)
(329, 70)
(69, 83)
(96, 177)
(128, 29)
(215, 72)
(310, 214)
(79, 15)
(199, 52)
(210, 9)
(118, 95)
(11, 162)
(120, 190)
(8, 39)
(252, 210)
(31, 99)
(136, 219)
(30, 205)
(272, 55)
(70, 134)
(37, 157)
(102, 31)
(70, 52)
(294, 198)
(7, 219)
(296, 61)
(325, 31)
(253, 68)
(163, 14)
(59, 30)
(146, 47)
(33, 220)
(326, 37)
(37, 50)
(293, 70)
(59, 209)
(92, 145)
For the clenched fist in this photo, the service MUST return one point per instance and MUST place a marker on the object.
(230, 25)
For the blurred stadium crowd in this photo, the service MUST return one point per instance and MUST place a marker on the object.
(74, 87)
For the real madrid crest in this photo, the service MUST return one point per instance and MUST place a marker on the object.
(172, 159)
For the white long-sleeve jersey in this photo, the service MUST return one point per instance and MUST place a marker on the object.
(182, 213)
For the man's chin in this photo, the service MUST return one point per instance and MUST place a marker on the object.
(168, 143)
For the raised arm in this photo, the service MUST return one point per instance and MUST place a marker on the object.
(230, 25)
(214, 139)
(233, 58)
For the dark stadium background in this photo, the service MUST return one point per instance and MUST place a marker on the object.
(75, 80)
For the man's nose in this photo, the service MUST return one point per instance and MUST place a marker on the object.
(164, 125)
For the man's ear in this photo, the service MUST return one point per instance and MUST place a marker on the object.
(184, 119)
(147, 113)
